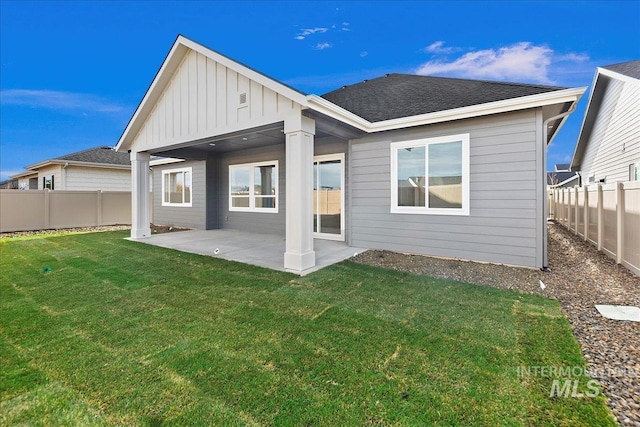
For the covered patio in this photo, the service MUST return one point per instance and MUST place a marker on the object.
(240, 246)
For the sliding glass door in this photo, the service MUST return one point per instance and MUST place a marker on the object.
(328, 197)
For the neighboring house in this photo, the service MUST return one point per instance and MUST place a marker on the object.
(608, 148)
(9, 184)
(428, 165)
(99, 168)
(562, 177)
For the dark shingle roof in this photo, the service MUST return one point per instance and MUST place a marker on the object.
(631, 68)
(404, 95)
(554, 178)
(104, 155)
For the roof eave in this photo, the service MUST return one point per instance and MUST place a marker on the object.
(23, 174)
(521, 103)
(576, 159)
(583, 136)
(33, 168)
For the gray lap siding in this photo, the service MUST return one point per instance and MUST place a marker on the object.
(182, 216)
(503, 223)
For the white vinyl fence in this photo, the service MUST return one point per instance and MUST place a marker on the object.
(607, 215)
(24, 210)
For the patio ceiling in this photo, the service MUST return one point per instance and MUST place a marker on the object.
(252, 138)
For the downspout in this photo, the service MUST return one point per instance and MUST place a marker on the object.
(545, 198)
(64, 176)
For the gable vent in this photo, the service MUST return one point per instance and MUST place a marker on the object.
(243, 98)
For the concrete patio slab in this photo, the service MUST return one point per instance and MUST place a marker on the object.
(264, 250)
(619, 312)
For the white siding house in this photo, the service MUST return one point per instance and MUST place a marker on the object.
(428, 165)
(99, 168)
(608, 148)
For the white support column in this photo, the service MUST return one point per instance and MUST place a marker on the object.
(140, 223)
(299, 254)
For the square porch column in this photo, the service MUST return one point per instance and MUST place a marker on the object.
(299, 254)
(140, 222)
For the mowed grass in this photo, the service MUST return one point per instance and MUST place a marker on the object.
(120, 332)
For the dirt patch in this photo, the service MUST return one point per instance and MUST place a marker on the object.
(580, 278)
(155, 229)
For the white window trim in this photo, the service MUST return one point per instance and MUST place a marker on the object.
(183, 204)
(341, 236)
(252, 196)
(425, 142)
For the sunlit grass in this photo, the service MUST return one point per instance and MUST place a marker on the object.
(118, 332)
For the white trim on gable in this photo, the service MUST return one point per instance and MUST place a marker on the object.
(175, 58)
(549, 98)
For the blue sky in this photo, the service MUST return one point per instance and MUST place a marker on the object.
(72, 73)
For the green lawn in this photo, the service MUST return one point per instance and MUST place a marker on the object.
(120, 332)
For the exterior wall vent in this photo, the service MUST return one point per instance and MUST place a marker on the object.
(243, 98)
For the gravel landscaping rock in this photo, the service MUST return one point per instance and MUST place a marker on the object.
(580, 278)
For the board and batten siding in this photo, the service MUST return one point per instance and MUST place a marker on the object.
(93, 179)
(503, 225)
(193, 216)
(614, 142)
(202, 99)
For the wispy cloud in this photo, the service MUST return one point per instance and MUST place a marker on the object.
(305, 32)
(438, 47)
(323, 46)
(59, 100)
(522, 61)
(364, 53)
(6, 174)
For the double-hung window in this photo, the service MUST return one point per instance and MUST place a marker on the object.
(431, 176)
(253, 187)
(176, 187)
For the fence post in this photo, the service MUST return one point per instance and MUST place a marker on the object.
(619, 222)
(99, 208)
(47, 216)
(585, 209)
(564, 208)
(600, 217)
(575, 210)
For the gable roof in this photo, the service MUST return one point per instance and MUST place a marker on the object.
(394, 101)
(625, 71)
(629, 69)
(402, 95)
(101, 156)
(181, 47)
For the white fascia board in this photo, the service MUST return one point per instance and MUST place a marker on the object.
(616, 75)
(579, 141)
(549, 98)
(24, 174)
(76, 163)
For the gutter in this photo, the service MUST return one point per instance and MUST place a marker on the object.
(545, 201)
(330, 109)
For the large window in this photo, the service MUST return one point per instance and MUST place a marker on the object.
(254, 187)
(176, 187)
(431, 176)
